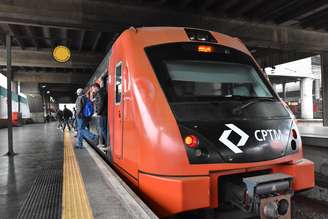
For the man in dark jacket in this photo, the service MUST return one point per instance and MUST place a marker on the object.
(100, 103)
(67, 116)
(81, 121)
(60, 118)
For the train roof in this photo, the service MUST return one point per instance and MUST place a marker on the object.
(148, 36)
(159, 35)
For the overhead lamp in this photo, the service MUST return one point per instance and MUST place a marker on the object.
(61, 54)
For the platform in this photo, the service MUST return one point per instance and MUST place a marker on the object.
(313, 132)
(49, 178)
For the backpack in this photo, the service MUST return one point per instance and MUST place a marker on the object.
(87, 108)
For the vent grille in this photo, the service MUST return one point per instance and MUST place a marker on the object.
(45, 196)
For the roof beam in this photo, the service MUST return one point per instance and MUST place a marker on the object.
(265, 8)
(46, 33)
(82, 35)
(314, 19)
(247, 5)
(51, 77)
(95, 16)
(279, 9)
(43, 58)
(18, 40)
(269, 58)
(31, 36)
(64, 36)
(226, 5)
(311, 8)
(95, 44)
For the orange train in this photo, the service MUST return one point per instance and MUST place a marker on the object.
(194, 123)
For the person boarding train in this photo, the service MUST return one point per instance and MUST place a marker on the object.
(83, 112)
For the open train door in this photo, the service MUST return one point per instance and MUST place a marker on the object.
(118, 111)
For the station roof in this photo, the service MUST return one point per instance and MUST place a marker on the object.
(275, 31)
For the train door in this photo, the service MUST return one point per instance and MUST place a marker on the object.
(118, 111)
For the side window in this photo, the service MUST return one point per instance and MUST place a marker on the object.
(118, 83)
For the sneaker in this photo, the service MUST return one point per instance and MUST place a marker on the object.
(100, 146)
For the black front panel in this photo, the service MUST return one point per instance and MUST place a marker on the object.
(238, 141)
(219, 95)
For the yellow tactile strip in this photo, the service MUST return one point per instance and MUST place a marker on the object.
(75, 202)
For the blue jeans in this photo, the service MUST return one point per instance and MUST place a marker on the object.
(82, 132)
(102, 129)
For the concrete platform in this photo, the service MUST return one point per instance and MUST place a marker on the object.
(313, 133)
(48, 177)
(32, 183)
(39, 148)
(312, 128)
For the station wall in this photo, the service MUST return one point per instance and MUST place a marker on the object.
(16, 99)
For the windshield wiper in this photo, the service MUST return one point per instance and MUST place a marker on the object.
(239, 109)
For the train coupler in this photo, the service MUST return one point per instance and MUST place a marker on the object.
(266, 196)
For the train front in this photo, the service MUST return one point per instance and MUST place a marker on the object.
(240, 141)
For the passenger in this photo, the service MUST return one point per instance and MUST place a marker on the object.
(59, 116)
(74, 119)
(82, 132)
(67, 114)
(48, 118)
(88, 119)
(101, 111)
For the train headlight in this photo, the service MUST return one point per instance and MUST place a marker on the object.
(295, 142)
(191, 141)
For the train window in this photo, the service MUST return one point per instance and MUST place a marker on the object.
(192, 78)
(223, 83)
(118, 83)
(188, 75)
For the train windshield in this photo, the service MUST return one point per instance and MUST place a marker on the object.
(213, 84)
(193, 79)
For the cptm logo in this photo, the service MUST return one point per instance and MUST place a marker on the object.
(225, 135)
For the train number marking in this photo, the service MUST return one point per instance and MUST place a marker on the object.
(225, 135)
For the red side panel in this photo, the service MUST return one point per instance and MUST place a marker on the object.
(302, 172)
(170, 195)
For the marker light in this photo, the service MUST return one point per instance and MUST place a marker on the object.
(294, 133)
(203, 48)
(191, 141)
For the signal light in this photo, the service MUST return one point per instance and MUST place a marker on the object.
(204, 48)
(191, 141)
(200, 35)
(294, 133)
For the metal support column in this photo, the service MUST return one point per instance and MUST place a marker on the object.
(324, 81)
(9, 96)
(284, 92)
